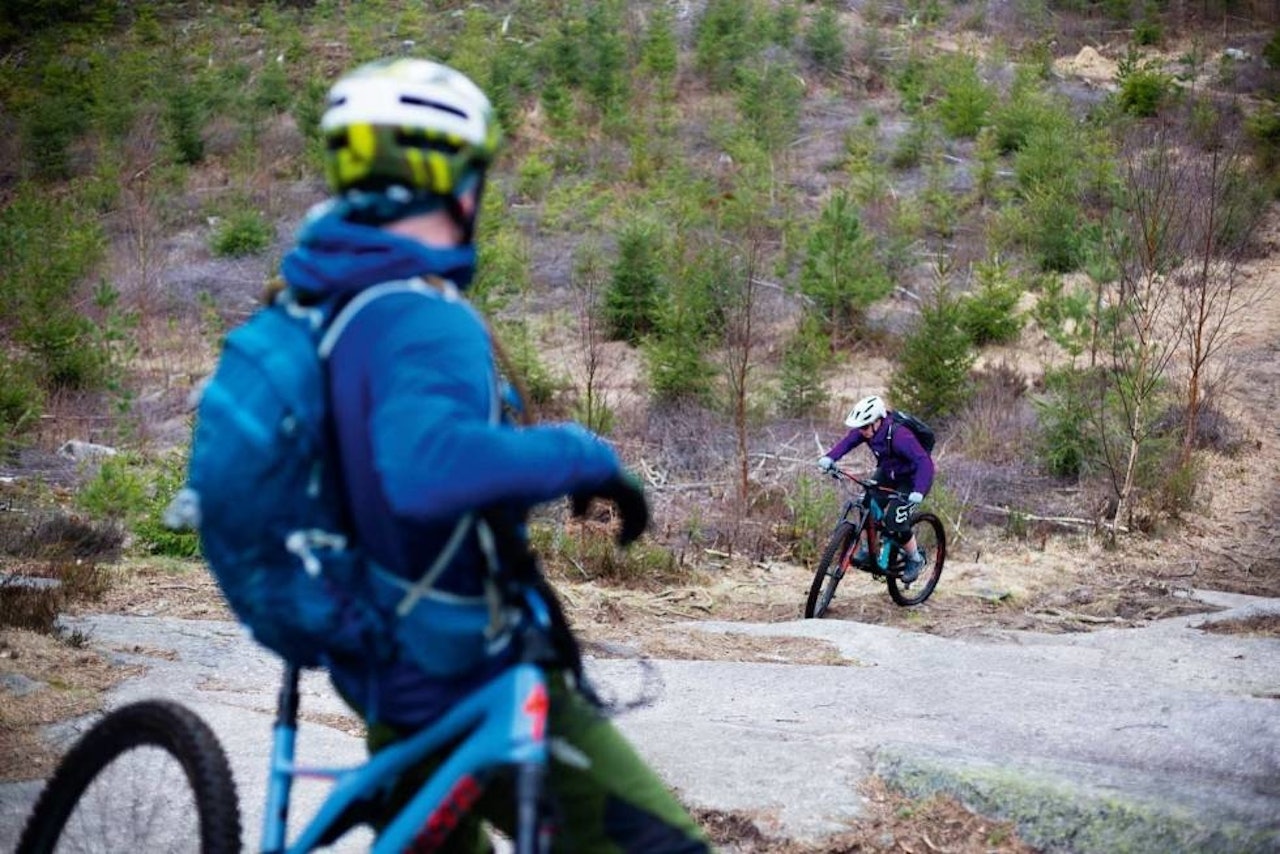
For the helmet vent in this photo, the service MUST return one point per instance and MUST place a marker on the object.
(435, 105)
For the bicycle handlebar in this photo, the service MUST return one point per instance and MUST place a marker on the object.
(866, 483)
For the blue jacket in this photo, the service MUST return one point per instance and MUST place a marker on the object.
(903, 463)
(414, 386)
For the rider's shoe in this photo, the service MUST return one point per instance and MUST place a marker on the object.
(911, 569)
(861, 556)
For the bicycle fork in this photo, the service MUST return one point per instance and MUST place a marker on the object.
(533, 836)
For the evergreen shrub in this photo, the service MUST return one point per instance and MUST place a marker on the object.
(932, 377)
(242, 232)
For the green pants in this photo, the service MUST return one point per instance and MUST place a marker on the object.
(606, 798)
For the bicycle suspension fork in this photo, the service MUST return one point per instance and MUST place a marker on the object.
(531, 829)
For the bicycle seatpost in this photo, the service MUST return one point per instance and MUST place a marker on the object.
(287, 698)
(276, 816)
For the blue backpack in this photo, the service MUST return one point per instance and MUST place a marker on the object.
(263, 491)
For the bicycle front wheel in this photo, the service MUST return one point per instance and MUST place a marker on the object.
(149, 777)
(932, 540)
(828, 574)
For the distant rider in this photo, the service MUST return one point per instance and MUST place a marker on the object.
(902, 465)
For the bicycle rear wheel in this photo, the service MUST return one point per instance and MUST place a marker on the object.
(149, 777)
(932, 540)
(828, 574)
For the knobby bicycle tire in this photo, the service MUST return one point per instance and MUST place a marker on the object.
(827, 576)
(72, 814)
(932, 537)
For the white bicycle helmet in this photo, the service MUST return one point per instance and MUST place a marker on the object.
(866, 411)
(408, 123)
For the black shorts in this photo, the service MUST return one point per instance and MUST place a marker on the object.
(895, 516)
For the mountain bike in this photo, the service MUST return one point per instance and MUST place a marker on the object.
(885, 559)
(151, 776)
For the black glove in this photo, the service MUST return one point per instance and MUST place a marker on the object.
(625, 491)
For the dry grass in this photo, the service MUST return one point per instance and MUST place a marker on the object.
(157, 588)
(349, 724)
(893, 823)
(997, 421)
(49, 558)
(1262, 625)
(46, 682)
(24, 605)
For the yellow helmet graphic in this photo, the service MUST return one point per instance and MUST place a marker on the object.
(407, 123)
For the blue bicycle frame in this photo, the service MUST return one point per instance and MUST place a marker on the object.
(504, 723)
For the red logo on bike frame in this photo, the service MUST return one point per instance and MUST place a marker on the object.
(536, 706)
(456, 804)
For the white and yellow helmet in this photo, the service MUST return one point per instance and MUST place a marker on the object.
(408, 123)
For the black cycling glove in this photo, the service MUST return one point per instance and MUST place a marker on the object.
(627, 494)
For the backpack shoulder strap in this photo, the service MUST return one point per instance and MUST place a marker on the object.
(438, 288)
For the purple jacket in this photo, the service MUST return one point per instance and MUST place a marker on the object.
(903, 462)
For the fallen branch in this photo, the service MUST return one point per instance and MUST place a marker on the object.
(679, 487)
(566, 594)
(652, 476)
(686, 593)
(1079, 618)
(907, 293)
(578, 566)
(1058, 520)
(995, 596)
